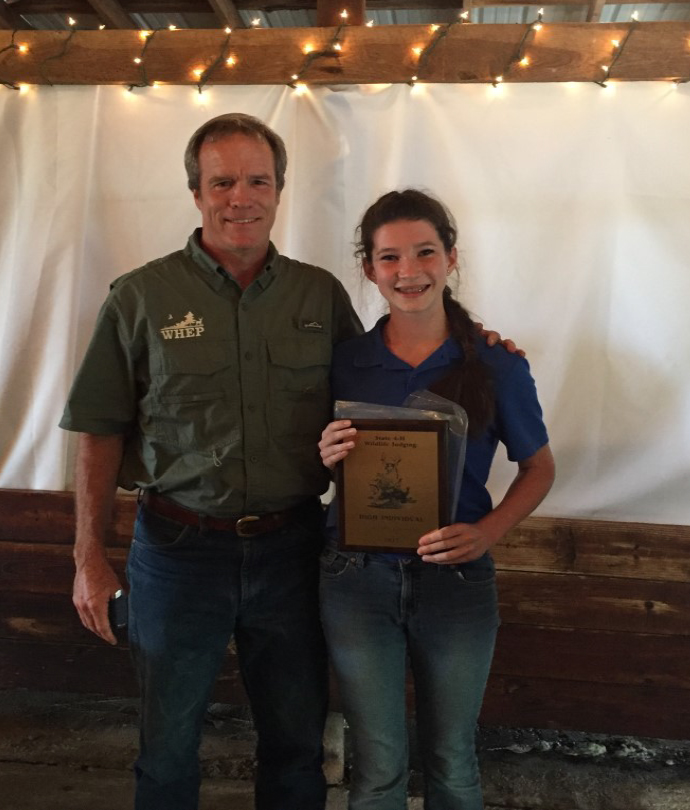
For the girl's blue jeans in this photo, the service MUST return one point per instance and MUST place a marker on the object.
(381, 614)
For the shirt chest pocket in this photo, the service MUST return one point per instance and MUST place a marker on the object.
(300, 397)
(192, 405)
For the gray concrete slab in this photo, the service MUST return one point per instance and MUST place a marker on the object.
(66, 752)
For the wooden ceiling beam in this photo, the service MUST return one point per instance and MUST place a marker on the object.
(227, 13)
(382, 54)
(111, 14)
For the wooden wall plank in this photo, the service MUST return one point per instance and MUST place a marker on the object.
(593, 637)
(634, 550)
(644, 551)
(42, 617)
(521, 651)
(89, 669)
(44, 568)
(469, 53)
(595, 603)
(593, 657)
(40, 516)
(645, 711)
(583, 602)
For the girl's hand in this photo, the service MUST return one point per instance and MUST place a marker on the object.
(336, 442)
(457, 543)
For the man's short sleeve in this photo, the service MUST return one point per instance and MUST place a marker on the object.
(102, 400)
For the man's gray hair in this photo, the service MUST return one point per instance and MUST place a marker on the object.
(233, 124)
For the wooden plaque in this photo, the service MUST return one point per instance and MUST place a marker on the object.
(393, 485)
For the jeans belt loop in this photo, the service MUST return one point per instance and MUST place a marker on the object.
(240, 526)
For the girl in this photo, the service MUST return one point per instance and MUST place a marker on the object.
(437, 608)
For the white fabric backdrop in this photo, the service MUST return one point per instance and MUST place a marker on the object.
(573, 205)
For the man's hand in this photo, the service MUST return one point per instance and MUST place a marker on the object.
(457, 543)
(95, 582)
(493, 338)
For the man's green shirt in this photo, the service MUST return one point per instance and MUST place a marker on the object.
(221, 393)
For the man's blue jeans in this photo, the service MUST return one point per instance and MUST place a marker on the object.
(379, 613)
(191, 590)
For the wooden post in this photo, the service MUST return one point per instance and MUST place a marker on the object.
(328, 12)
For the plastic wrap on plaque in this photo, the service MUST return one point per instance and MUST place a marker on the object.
(403, 477)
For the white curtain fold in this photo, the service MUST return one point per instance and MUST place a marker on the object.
(572, 202)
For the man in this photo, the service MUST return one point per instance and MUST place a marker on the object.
(206, 386)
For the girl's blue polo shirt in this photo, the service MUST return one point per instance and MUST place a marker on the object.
(365, 370)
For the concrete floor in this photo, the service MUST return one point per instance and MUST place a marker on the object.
(65, 752)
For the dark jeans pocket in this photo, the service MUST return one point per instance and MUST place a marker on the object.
(333, 563)
(158, 532)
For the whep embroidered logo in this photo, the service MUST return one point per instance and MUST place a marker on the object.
(188, 327)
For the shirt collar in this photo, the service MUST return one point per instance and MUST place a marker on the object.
(217, 273)
(374, 352)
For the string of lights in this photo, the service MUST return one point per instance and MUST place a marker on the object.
(41, 67)
(10, 85)
(222, 57)
(618, 48)
(439, 32)
(519, 57)
(147, 37)
(331, 51)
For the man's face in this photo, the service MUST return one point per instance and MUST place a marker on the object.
(237, 196)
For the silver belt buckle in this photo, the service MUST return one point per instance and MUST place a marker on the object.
(240, 525)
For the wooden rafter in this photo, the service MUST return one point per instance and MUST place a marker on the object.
(467, 53)
(111, 13)
(595, 9)
(194, 6)
(9, 19)
(227, 13)
(328, 12)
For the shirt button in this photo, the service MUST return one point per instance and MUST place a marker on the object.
(251, 408)
(253, 459)
(248, 355)
(244, 307)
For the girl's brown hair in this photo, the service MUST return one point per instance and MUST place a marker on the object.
(468, 383)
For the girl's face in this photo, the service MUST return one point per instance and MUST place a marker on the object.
(410, 266)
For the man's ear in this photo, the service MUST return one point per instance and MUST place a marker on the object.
(197, 198)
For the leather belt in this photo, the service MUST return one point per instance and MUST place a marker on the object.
(242, 525)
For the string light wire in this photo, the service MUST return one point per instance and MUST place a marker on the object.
(519, 57)
(439, 33)
(222, 57)
(61, 53)
(331, 51)
(139, 60)
(618, 48)
(11, 47)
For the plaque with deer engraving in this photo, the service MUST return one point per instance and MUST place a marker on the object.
(393, 485)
